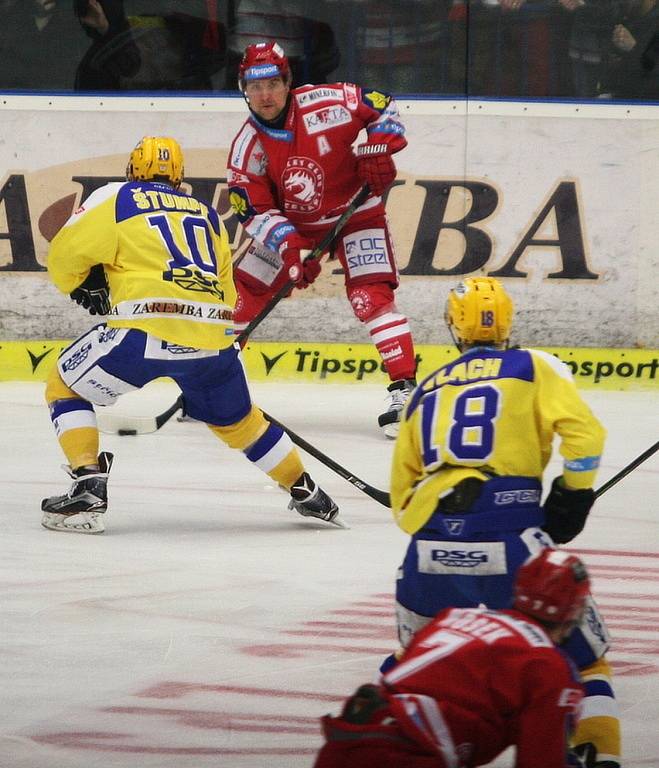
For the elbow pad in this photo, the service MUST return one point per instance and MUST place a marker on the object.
(566, 511)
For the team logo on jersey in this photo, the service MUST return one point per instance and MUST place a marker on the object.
(303, 181)
(361, 303)
(325, 118)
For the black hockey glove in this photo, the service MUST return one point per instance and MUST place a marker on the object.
(576, 761)
(583, 756)
(94, 293)
(566, 511)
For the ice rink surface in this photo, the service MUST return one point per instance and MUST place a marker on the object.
(210, 626)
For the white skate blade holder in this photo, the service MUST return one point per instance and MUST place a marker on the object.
(82, 522)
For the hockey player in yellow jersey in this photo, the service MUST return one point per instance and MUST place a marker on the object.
(466, 484)
(157, 262)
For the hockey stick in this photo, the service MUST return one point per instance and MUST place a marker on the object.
(143, 426)
(626, 470)
(384, 498)
(375, 493)
(317, 252)
(136, 425)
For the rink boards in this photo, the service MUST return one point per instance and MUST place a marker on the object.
(593, 368)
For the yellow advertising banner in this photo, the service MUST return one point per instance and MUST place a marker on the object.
(353, 363)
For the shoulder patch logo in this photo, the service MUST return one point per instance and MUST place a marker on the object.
(377, 100)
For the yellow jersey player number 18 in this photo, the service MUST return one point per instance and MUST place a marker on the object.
(466, 484)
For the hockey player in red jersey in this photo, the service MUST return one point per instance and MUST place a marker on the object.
(292, 172)
(475, 682)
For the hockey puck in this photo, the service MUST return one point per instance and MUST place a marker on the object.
(126, 431)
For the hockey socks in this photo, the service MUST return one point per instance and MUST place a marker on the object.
(390, 332)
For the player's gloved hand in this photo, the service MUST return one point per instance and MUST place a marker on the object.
(566, 511)
(94, 293)
(376, 167)
(294, 251)
(582, 756)
(575, 761)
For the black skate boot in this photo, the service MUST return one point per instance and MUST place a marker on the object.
(399, 394)
(79, 510)
(587, 753)
(310, 500)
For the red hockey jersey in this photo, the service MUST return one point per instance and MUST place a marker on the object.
(498, 680)
(305, 173)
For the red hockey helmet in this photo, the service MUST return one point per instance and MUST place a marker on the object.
(263, 60)
(552, 586)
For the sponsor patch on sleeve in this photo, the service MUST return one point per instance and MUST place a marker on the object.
(376, 100)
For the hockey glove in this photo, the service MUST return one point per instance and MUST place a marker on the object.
(301, 270)
(576, 761)
(376, 167)
(583, 756)
(94, 293)
(566, 511)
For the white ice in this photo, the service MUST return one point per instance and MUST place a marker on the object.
(210, 626)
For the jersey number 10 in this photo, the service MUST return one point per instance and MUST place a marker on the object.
(200, 250)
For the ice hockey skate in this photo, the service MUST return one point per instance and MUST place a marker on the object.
(399, 393)
(587, 753)
(310, 500)
(81, 509)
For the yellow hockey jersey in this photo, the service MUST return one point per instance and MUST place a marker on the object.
(166, 256)
(490, 412)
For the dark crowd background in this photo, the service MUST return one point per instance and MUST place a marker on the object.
(580, 49)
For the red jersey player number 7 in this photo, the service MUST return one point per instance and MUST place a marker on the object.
(292, 172)
(474, 682)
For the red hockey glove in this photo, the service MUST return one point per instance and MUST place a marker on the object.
(375, 167)
(300, 270)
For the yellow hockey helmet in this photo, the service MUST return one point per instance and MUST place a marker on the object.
(479, 311)
(158, 158)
